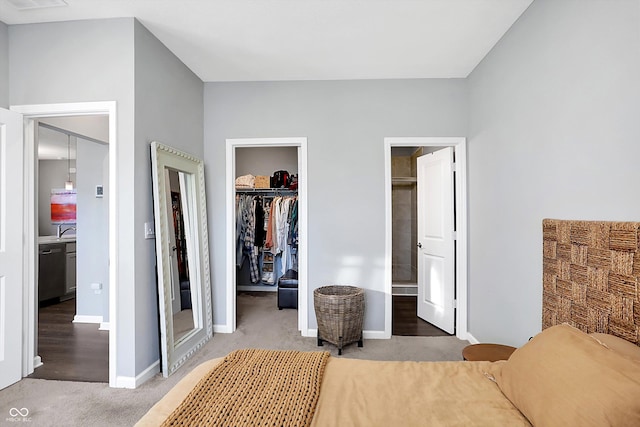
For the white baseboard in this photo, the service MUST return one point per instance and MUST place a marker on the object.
(37, 362)
(133, 382)
(222, 329)
(472, 339)
(78, 318)
(369, 335)
(104, 326)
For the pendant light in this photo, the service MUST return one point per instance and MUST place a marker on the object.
(68, 185)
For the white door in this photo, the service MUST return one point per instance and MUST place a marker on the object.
(436, 249)
(11, 228)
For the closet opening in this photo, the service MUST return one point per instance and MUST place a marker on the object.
(267, 233)
(267, 221)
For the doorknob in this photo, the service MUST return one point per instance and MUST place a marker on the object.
(420, 245)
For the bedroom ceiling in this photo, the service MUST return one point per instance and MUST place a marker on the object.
(254, 40)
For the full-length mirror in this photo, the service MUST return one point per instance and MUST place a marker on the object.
(182, 254)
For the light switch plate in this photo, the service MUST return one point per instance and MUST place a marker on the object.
(149, 230)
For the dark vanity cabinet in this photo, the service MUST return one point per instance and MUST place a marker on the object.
(52, 260)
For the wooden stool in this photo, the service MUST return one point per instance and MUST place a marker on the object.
(488, 352)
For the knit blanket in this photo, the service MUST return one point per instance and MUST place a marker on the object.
(255, 388)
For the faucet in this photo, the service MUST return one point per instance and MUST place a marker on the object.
(61, 232)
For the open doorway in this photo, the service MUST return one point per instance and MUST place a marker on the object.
(73, 225)
(31, 114)
(406, 320)
(425, 236)
(261, 157)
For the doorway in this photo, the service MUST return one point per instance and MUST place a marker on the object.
(31, 114)
(406, 212)
(233, 147)
(72, 222)
(405, 250)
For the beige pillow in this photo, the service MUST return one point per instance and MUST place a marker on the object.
(618, 344)
(564, 377)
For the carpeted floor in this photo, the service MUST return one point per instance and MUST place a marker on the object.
(260, 325)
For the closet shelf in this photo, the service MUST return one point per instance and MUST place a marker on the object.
(404, 180)
(285, 191)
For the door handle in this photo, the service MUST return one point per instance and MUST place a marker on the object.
(419, 245)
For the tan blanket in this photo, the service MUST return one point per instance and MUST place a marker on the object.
(255, 387)
(435, 394)
(370, 393)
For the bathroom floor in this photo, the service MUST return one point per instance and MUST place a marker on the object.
(70, 351)
(406, 322)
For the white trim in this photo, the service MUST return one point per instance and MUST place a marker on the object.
(460, 147)
(472, 339)
(104, 326)
(31, 112)
(134, 382)
(30, 272)
(303, 303)
(222, 329)
(78, 318)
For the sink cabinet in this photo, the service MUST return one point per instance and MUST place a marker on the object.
(51, 271)
(56, 270)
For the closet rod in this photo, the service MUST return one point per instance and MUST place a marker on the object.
(284, 191)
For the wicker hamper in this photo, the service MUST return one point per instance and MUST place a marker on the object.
(340, 313)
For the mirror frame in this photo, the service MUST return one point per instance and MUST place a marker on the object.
(175, 354)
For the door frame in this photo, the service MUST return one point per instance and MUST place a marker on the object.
(232, 144)
(460, 149)
(30, 114)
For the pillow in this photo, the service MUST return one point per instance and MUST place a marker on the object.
(618, 344)
(564, 377)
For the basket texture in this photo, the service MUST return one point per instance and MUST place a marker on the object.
(262, 181)
(340, 313)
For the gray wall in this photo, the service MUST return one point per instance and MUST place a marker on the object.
(92, 257)
(264, 161)
(4, 65)
(169, 109)
(553, 133)
(62, 62)
(345, 123)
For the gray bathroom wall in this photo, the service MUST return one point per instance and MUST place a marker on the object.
(51, 174)
(92, 234)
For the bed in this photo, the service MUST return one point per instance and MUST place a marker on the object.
(582, 369)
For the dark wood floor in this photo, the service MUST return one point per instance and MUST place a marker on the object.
(406, 322)
(70, 351)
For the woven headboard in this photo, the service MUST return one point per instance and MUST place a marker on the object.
(591, 273)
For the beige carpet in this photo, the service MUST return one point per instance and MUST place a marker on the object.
(260, 325)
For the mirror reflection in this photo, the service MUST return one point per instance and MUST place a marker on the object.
(182, 254)
(183, 321)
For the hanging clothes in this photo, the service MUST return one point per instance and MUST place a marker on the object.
(246, 235)
(272, 228)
